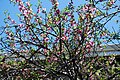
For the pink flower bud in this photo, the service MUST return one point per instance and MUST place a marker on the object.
(58, 11)
(45, 51)
(9, 17)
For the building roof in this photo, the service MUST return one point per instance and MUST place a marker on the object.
(113, 49)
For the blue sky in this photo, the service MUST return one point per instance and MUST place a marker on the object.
(5, 5)
(13, 10)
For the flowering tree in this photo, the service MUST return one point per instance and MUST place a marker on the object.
(59, 44)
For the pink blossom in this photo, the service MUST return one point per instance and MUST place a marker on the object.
(21, 4)
(64, 37)
(45, 51)
(88, 46)
(44, 10)
(55, 59)
(28, 3)
(52, 58)
(73, 23)
(79, 31)
(20, 25)
(104, 40)
(55, 2)
(26, 13)
(91, 43)
(13, 22)
(57, 38)
(91, 77)
(9, 37)
(24, 51)
(27, 28)
(85, 8)
(38, 11)
(92, 9)
(36, 20)
(18, 0)
(69, 14)
(111, 1)
(49, 60)
(82, 16)
(88, 8)
(58, 11)
(20, 8)
(46, 39)
(57, 22)
(49, 28)
(7, 32)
